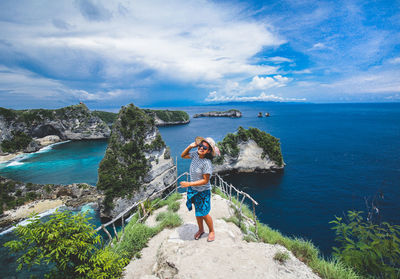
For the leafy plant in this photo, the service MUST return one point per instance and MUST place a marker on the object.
(70, 243)
(371, 249)
(19, 142)
(281, 257)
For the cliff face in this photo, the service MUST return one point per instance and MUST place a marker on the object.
(168, 117)
(234, 113)
(136, 164)
(249, 150)
(69, 123)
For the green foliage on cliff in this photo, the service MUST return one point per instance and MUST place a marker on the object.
(70, 243)
(371, 249)
(11, 197)
(169, 115)
(108, 117)
(268, 143)
(18, 142)
(34, 115)
(124, 166)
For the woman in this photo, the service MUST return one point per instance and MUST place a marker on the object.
(199, 191)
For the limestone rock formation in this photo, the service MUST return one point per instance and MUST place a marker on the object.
(234, 113)
(69, 123)
(136, 164)
(249, 150)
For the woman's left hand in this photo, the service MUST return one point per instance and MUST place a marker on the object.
(185, 184)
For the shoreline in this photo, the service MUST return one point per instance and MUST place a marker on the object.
(44, 142)
(19, 216)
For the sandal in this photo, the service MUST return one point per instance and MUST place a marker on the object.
(211, 239)
(198, 235)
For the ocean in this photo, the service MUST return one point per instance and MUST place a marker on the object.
(338, 157)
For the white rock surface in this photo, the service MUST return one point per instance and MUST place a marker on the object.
(175, 254)
(249, 160)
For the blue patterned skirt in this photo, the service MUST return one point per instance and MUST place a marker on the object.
(201, 201)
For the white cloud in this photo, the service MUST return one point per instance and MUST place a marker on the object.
(263, 83)
(279, 59)
(213, 97)
(184, 40)
(395, 60)
(318, 46)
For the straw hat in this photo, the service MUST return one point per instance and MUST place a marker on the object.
(211, 142)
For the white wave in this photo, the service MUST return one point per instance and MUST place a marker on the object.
(49, 147)
(27, 221)
(14, 163)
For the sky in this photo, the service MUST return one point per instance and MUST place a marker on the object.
(180, 53)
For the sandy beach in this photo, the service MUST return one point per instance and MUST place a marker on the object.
(45, 141)
(5, 158)
(37, 206)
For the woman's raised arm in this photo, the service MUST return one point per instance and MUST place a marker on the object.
(185, 153)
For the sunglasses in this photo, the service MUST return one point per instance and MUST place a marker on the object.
(203, 146)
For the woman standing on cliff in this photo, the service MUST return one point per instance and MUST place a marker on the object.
(199, 187)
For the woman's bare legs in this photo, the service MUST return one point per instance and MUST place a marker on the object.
(199, 220)
(210, 225)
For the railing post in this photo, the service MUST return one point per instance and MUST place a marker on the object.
(109, 235)
(176, 165)
(255, 219)
(115, 232)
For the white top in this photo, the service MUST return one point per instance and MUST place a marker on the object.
(198, 167)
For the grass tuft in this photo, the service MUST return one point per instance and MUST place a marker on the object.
(281, 257)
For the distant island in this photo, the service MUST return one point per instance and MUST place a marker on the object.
(234, 113)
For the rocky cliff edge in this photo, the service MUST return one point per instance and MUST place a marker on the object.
(174, 253)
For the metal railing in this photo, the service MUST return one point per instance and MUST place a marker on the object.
(227, 189)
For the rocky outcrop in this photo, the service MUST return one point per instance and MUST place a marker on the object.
(249, 150)
(234, 113)
(69, 123)
(137, 162)
(19, 199)
(168, 117)
(174, 253)
(249, 160)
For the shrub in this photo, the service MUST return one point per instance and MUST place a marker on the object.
(281, 257)
(19, 142)
(371, 249)
(70, 243)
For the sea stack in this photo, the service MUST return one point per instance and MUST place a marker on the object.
(136, 164)
(249, 150)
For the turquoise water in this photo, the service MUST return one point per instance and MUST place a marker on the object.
(336, 155)
(62, 163)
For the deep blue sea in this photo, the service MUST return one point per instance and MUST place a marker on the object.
(337, 156)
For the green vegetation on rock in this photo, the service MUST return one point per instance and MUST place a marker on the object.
(68, 242)
(33, 115)
(302, 249)
(19, 142)
(108, 117)
(170, 115)
(124, 165)
(270, 145)
(371, 249)
(11, 197)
